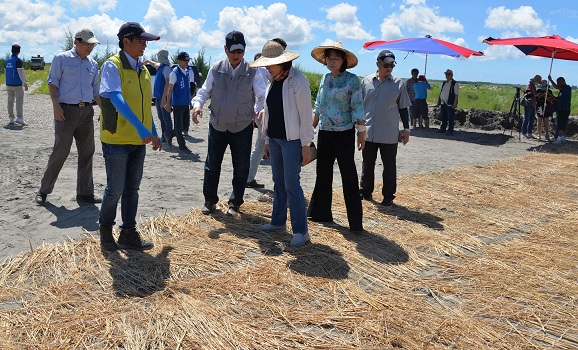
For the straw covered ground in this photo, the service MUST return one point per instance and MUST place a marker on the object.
(481, 257)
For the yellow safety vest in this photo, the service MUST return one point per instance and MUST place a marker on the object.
(137, 92)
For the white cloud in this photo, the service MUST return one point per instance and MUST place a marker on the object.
(390, 29)
(499, 52)
(103, 5)
(38, 20)
(415, 2)
(175, 32)
(416, 16)
(524, 18)
(347, 25)
(260, 24)
(104, 28)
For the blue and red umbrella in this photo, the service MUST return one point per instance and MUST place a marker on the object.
(426, 45)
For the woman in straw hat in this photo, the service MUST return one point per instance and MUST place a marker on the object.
(338, 112)
(288, 133)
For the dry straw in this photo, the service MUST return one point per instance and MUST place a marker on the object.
(472, 258)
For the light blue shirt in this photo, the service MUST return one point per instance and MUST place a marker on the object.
(339, 102)
(110, 76)
(75, 78)
(421, 88)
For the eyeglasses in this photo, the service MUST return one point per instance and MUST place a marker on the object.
(388, 65)
(84, 43)
(237, 51)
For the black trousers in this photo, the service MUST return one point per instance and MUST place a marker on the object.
(332, 145)
(388, 154)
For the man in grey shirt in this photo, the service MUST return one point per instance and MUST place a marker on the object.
(237, 92)
(73, 86)
(385, 102)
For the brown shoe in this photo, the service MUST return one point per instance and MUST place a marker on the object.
(254, 184)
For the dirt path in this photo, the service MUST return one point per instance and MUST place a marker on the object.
(171, 183)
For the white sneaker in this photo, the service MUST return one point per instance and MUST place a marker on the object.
(21, 121)
(11, 121)
(269, 227)
(300, 239)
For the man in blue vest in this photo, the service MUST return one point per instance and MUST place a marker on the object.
(449, 102)
(15, 79)
(73, 86)
(160, 89)
(126, 127)
(237, 92)
(178, 98)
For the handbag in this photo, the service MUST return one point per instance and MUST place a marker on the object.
(313, 151)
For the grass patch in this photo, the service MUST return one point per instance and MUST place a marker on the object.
(39, 75)
(478, 95)
(487, 96)
(33, 76)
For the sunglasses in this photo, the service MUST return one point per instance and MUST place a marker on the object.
(238, 51)
(449, 74)
(388, 65)
(140, 41)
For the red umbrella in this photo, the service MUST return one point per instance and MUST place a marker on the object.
(426, 45)
(552, 46)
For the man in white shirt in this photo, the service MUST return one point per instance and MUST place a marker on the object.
(449, 102)
(236, 92)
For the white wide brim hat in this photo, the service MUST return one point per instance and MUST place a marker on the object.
(273, 54)
(318, 54)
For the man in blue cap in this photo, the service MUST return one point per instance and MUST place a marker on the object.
(385, 102)
(126, 126)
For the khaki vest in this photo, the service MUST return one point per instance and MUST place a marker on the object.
(137, 92)
(232, 99)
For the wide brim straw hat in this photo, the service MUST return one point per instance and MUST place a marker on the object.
(318, 54)
(273, 54)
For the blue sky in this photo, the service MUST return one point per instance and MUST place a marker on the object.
(39, 27)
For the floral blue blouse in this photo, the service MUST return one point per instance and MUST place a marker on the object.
(339, 102)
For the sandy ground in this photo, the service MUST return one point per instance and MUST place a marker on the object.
(173, 183)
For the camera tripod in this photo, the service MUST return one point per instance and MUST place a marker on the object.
(516, 115)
